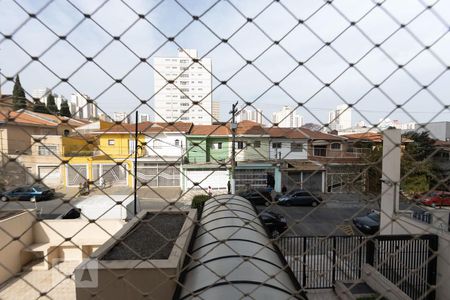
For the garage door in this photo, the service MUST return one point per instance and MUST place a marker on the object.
(50, 175)
(255, 178)
(216, 179)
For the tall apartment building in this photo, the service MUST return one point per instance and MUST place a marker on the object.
(179, 82)
(340, 118)
(80, 107)
(144, 118)
(249, 113)
(287, 117)
(122, 117)
(41, 94)
(216, 111)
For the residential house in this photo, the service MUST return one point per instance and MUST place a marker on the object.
(165, 150)
(208, 153)
(345, 170)
(254, 167)
(51, 156)
(16, 128)
(289, 147)
(112, 156)
(21, 134)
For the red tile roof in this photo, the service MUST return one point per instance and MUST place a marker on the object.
(368, 136)
(149, 127)
(291, 133)
(215, 130)
(26, 117)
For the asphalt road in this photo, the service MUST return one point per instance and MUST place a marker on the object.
(331, 217)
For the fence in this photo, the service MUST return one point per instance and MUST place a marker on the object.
(407, 261)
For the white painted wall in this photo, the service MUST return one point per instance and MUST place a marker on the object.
(285, 150)
(164, 145)
(217, 179)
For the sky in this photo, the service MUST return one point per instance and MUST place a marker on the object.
(319, 58)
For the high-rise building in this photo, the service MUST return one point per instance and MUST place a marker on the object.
(216, 111)
(183, 86)
(82, 107)
(144, 118)
(340, 118)
(122, 117)
(59, 99)
(249, 113)
(41, 94)
(287, 117)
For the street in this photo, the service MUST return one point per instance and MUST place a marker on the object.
(332, 217)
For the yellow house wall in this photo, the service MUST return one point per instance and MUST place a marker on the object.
(120, 147)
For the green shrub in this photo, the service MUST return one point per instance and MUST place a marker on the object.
(199, 200)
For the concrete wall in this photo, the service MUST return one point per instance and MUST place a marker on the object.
(80, 230)
(11, 257)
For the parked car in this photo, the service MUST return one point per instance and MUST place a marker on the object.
(257, 197)
(276, 224)
(299, 197)
(368, 224)
(36, 191)
(436, 198)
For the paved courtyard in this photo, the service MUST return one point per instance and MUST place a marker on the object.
(56, 283)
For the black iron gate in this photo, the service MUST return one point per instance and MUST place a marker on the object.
(409, 261)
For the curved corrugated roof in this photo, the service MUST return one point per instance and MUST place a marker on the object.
(233, 258)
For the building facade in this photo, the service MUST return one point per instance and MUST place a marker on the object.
(287, 117)
(340, 118)
(183, 87)
(82, 107)
(250, 114)
(216, 111)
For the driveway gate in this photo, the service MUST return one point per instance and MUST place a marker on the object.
(406, 260)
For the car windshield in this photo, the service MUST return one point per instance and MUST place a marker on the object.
(38, 187)
(374, 216)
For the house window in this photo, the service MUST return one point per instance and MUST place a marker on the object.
(217, 145)
(111, 142)
(257, 144)
(336, 146)
(320, 150)
(240, 145)
(177, 142)
(296, 147)
(276, 145)
(47, 150)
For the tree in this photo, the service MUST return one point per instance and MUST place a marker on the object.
(19, 99)
(65, 110)
(51, 105)
(40, 107)
(418, 169)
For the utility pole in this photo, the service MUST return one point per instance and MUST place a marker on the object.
(233, 147)
(135, 162)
